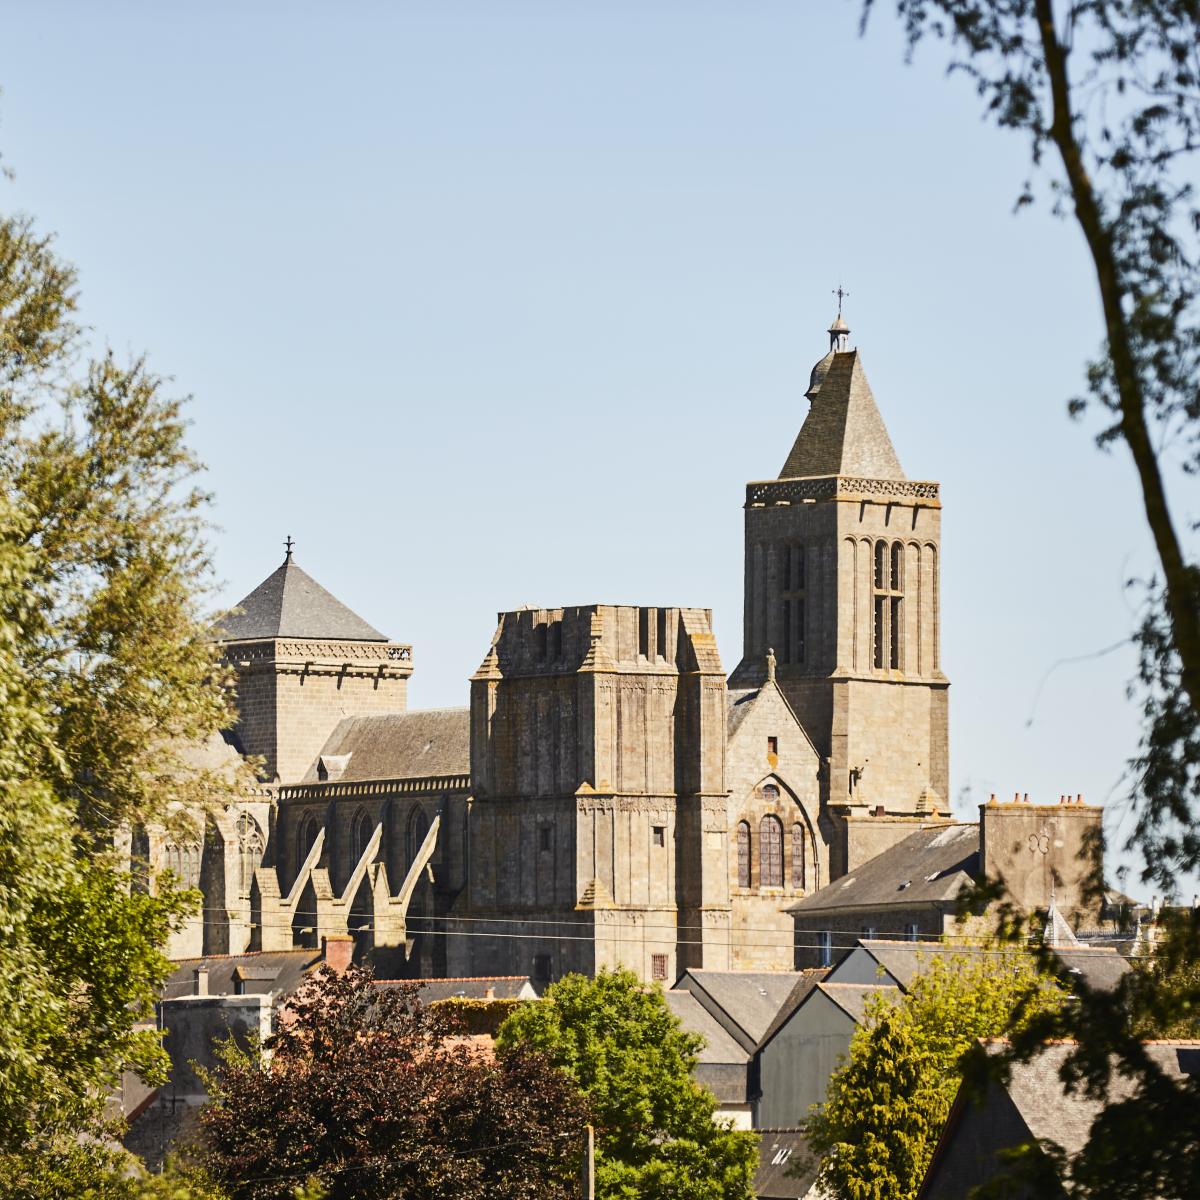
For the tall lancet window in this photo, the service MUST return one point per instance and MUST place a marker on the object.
(250, 851)
(770, 852)
(360, 834)
(799, 865)
(792, 615)
(889, 604)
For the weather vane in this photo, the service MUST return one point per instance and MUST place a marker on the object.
(287, 545)
(841, 294)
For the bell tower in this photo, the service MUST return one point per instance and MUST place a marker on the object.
(842, 569)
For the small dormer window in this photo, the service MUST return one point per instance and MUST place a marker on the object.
(331, 767)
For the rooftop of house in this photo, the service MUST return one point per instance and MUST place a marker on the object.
(786, 1169)
(803, 986)
(289, 603)
(899, 963)
(745, 1002)
(479, 987)
(410, 745)
(1047, 1109)
(269, 972)
(930, 865)
(719, 1044)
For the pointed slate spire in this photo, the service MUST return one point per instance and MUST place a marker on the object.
(843, 433)
(289, 603)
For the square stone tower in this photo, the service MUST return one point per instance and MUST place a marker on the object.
(598, 827)
(303, 662)
(841, 581)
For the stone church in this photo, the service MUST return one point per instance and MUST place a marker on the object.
(609, 795)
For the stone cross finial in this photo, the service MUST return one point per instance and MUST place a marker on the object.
(770, 665)
(287, 545)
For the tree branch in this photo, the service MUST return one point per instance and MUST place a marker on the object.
(1180, 588)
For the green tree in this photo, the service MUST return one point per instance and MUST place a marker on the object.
(887, 1103)
(367, 1094)
(657, 1133)
(106, 678)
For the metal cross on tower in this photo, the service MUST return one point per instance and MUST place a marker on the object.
(287, 545)
(841, 294)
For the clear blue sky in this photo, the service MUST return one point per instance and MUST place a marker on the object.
(503, 302)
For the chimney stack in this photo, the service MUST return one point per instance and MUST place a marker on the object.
(338, 952)
(201, 975)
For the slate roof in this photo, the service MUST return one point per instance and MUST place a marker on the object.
(928, 866)
(843, 433)
(289, 603)
(1101, 967)
(411, 745)
(852, 998)
(502, 987)
(805, 984)
(1046, 1108)
(738, 704)
(750, 999)
(1038, 1093)
(274, 972)
(719, 1045)
(779, 1152)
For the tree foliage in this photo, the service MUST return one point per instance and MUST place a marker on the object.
(371, 1095)
(887, 1103)
(105, 676)
(657, 1135)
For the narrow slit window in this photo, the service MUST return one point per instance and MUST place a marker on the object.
(660, 835)
(661, 631)
(644, 632)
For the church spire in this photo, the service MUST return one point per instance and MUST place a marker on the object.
(843, 433)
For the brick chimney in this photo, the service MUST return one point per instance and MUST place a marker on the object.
(338, 951)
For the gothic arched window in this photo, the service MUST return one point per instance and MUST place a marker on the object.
(418, 827)
(743, 853)
(799, 849)
(360, 835)
(250, 850)
(770, 852)
(183, 861)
